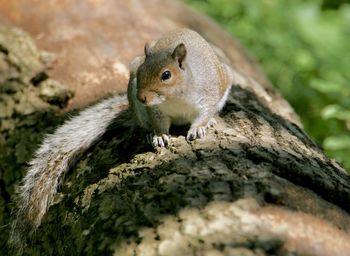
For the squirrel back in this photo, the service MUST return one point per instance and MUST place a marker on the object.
(205, 66)
(204, 73)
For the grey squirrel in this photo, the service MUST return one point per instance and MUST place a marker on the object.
(179, 80)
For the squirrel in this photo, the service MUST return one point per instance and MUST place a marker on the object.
(179, 80)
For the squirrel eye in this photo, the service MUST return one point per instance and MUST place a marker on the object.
(166, 75)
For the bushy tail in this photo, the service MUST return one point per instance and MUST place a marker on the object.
(52, 160)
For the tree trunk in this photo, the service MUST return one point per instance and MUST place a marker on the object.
(256, 185)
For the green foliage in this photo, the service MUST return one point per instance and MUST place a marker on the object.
(304, 47)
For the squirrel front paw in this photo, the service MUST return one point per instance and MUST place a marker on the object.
(158, 140)
(212, 122)
(198, 132)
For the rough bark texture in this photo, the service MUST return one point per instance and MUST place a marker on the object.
(257, 185)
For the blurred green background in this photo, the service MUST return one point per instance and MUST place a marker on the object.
(304, 48)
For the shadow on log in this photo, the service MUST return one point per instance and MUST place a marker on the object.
(256, 185)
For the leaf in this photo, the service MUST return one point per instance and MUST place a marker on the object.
(340, 142)
(325, 86)
(335, 111)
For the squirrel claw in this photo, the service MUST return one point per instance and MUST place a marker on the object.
(200, 132)
(212, 123)
(158, 141)
(196, 133)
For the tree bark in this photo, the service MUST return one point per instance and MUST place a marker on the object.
(256, 185)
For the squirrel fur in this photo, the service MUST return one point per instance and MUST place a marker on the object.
(179, 80)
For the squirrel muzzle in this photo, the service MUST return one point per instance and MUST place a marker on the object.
(150, 98)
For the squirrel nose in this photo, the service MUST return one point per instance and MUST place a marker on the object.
(143, 99)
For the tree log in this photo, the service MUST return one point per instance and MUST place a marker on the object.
(256, 185)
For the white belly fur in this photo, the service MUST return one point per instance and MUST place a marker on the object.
(179, 111)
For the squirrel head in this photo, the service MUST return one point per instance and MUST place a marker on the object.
(162, 75)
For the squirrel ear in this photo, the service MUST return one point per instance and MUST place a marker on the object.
(179, 53)
(147, 49)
